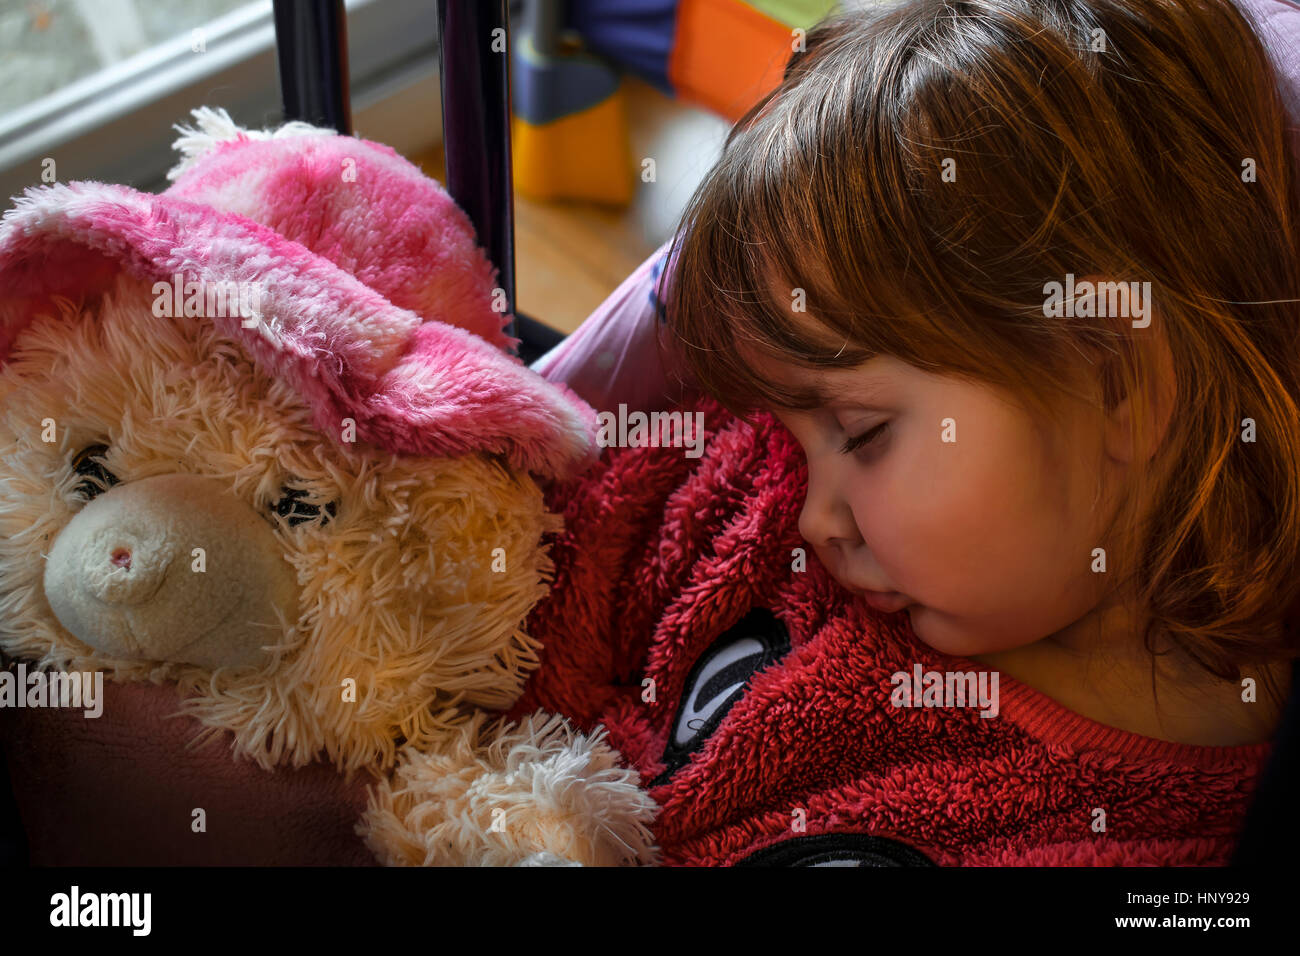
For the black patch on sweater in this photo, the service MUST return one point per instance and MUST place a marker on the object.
(717, 680)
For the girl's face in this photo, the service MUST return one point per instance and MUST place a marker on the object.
(983, 523)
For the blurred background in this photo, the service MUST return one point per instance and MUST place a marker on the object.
(619, 107)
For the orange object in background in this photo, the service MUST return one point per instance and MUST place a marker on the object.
(727, 55)
(570, 128)
(585, 155)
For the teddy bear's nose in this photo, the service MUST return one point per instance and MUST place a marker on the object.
(127, 568)
(120, 563)
(172, 568)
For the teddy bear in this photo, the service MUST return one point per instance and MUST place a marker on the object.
(260, 437)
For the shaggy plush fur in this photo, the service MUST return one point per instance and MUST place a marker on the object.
(392, 589)
(538, 783)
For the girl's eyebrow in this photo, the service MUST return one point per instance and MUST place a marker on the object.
(862, 394)
(852, 387)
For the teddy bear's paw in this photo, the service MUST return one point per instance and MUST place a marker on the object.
(528, 794)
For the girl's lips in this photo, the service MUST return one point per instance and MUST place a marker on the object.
(886, 601)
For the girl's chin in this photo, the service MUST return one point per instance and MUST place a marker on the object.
(963, 646)
(933, 634)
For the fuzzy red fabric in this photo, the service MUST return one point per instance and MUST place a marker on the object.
(664, 554)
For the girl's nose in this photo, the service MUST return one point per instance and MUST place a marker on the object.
(826, 520)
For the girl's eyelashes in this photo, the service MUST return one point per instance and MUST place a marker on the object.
(861, 441)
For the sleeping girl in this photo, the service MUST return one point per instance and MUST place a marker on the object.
(1020, 279)
(1105, 509)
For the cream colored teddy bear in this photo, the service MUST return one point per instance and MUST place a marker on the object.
(258, 436)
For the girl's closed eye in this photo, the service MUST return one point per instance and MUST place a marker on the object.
(864, 439)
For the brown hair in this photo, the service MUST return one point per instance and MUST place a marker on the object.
(1109, 138)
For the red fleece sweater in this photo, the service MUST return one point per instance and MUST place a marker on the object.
(757, 700)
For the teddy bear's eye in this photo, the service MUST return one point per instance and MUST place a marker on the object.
(89, 464)
(292, 507)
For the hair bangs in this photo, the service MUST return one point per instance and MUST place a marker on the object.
(761, 274)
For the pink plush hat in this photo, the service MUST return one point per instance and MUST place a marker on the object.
(376, 301)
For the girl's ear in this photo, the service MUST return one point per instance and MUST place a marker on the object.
(1135, 316)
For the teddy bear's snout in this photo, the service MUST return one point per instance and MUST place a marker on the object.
(172, 568)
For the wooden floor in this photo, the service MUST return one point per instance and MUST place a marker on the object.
(569, 256)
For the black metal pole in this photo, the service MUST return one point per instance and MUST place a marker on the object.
(311, 42)
(474, 62)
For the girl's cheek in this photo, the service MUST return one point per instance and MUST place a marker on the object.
(921, 523)
(892, 540)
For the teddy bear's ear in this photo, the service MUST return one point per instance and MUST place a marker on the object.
(356, 203)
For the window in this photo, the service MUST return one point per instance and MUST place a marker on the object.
(91, 88)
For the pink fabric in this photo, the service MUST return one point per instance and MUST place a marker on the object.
(413, 383)
(613, 357)
(1278, 23)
